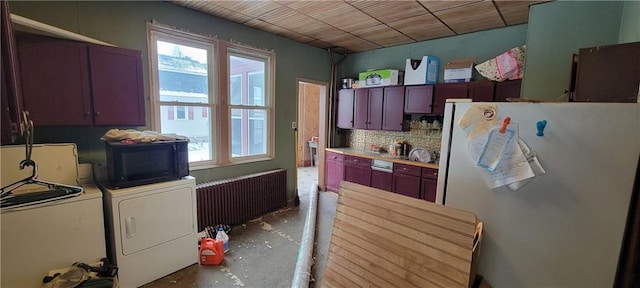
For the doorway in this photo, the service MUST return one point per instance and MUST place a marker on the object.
(311, 136)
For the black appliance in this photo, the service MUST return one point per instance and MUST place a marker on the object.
(133, 164)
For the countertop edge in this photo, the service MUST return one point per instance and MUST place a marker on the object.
(362, 153)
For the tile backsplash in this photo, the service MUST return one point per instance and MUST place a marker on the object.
(422, 134)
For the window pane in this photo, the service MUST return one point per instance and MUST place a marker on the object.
(197, 128)
(253, 71)
(248, 132)
(235, 89)
(183, 73)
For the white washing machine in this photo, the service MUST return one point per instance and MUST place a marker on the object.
(38, 238)
(151, 229)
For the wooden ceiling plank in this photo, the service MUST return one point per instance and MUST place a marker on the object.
(423, 27)
(435, 6)
(389, 11)
(470, 18)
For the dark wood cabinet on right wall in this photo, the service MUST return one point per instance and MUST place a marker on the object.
(608, 74)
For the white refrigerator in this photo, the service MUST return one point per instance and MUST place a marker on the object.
(564, 227)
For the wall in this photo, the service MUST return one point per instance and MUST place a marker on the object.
(308, 120)
(423, 135)
(630, 26)
(123, 23)
(484, 44)
(556, 31)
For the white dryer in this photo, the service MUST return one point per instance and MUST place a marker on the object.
(151, 229)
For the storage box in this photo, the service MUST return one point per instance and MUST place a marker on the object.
(383, 77)
(421, 71)
(459, 70)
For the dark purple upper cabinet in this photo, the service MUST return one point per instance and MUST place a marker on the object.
(393, 109)
(80, 84)
(507, 89)
(445, 91)
(55, 81)
(481, 91)
(367, 108)
(418, 99)
(344, 114)
(117, 86)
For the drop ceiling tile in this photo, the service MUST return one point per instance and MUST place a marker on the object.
(338, 14)
(382, 35)
(470, 18)
(211, 8)
(515, 12)
(422, 27)
(249, 8)
(389, 11)
(259, 24)
(434, 6)
(351, 42)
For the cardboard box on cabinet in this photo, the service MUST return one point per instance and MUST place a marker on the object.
(383, 77)
(421, 71)
(459, 70)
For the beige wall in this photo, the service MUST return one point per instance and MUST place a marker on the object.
(308, 115)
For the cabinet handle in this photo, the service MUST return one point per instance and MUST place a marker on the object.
(87, 114)
(130, 226)
(335, 157)
(98, 113)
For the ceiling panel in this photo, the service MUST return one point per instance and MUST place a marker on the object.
(423, 27)
(390, 11)
(382, 35)
(361, 25)
(473, 17)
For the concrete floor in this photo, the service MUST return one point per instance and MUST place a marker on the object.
(263, 251)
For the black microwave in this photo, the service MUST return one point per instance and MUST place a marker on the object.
(133, 164)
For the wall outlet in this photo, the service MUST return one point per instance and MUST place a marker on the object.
(294, 125)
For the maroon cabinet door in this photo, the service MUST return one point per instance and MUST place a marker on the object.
(429, 182)
(55, 78)
(393, 109)
(368, 108)
(344, 114)
(376, 96)
(507, 89)
(429, 189)
(117, 86)
(361, 109)
(382, 180)
(418, 99)
(406, 180)
(481, 91)
(407, 185)
(334, 171)
(357, 170)
(444, 91)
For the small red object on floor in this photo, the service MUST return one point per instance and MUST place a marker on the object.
(211, 251)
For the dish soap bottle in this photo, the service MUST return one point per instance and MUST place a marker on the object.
(222, 236)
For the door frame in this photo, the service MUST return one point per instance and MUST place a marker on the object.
(323, 125)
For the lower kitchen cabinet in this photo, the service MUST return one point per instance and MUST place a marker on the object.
(357, 170)
(334, 170)
(406, 180)
(429, 182)
(382, 180)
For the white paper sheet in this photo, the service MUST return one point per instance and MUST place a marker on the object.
(514, 166)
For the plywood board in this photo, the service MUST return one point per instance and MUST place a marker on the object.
(389, 240)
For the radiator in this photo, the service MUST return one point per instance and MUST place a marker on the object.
(233, 201)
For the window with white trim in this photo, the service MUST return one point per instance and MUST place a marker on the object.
(232, 123)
